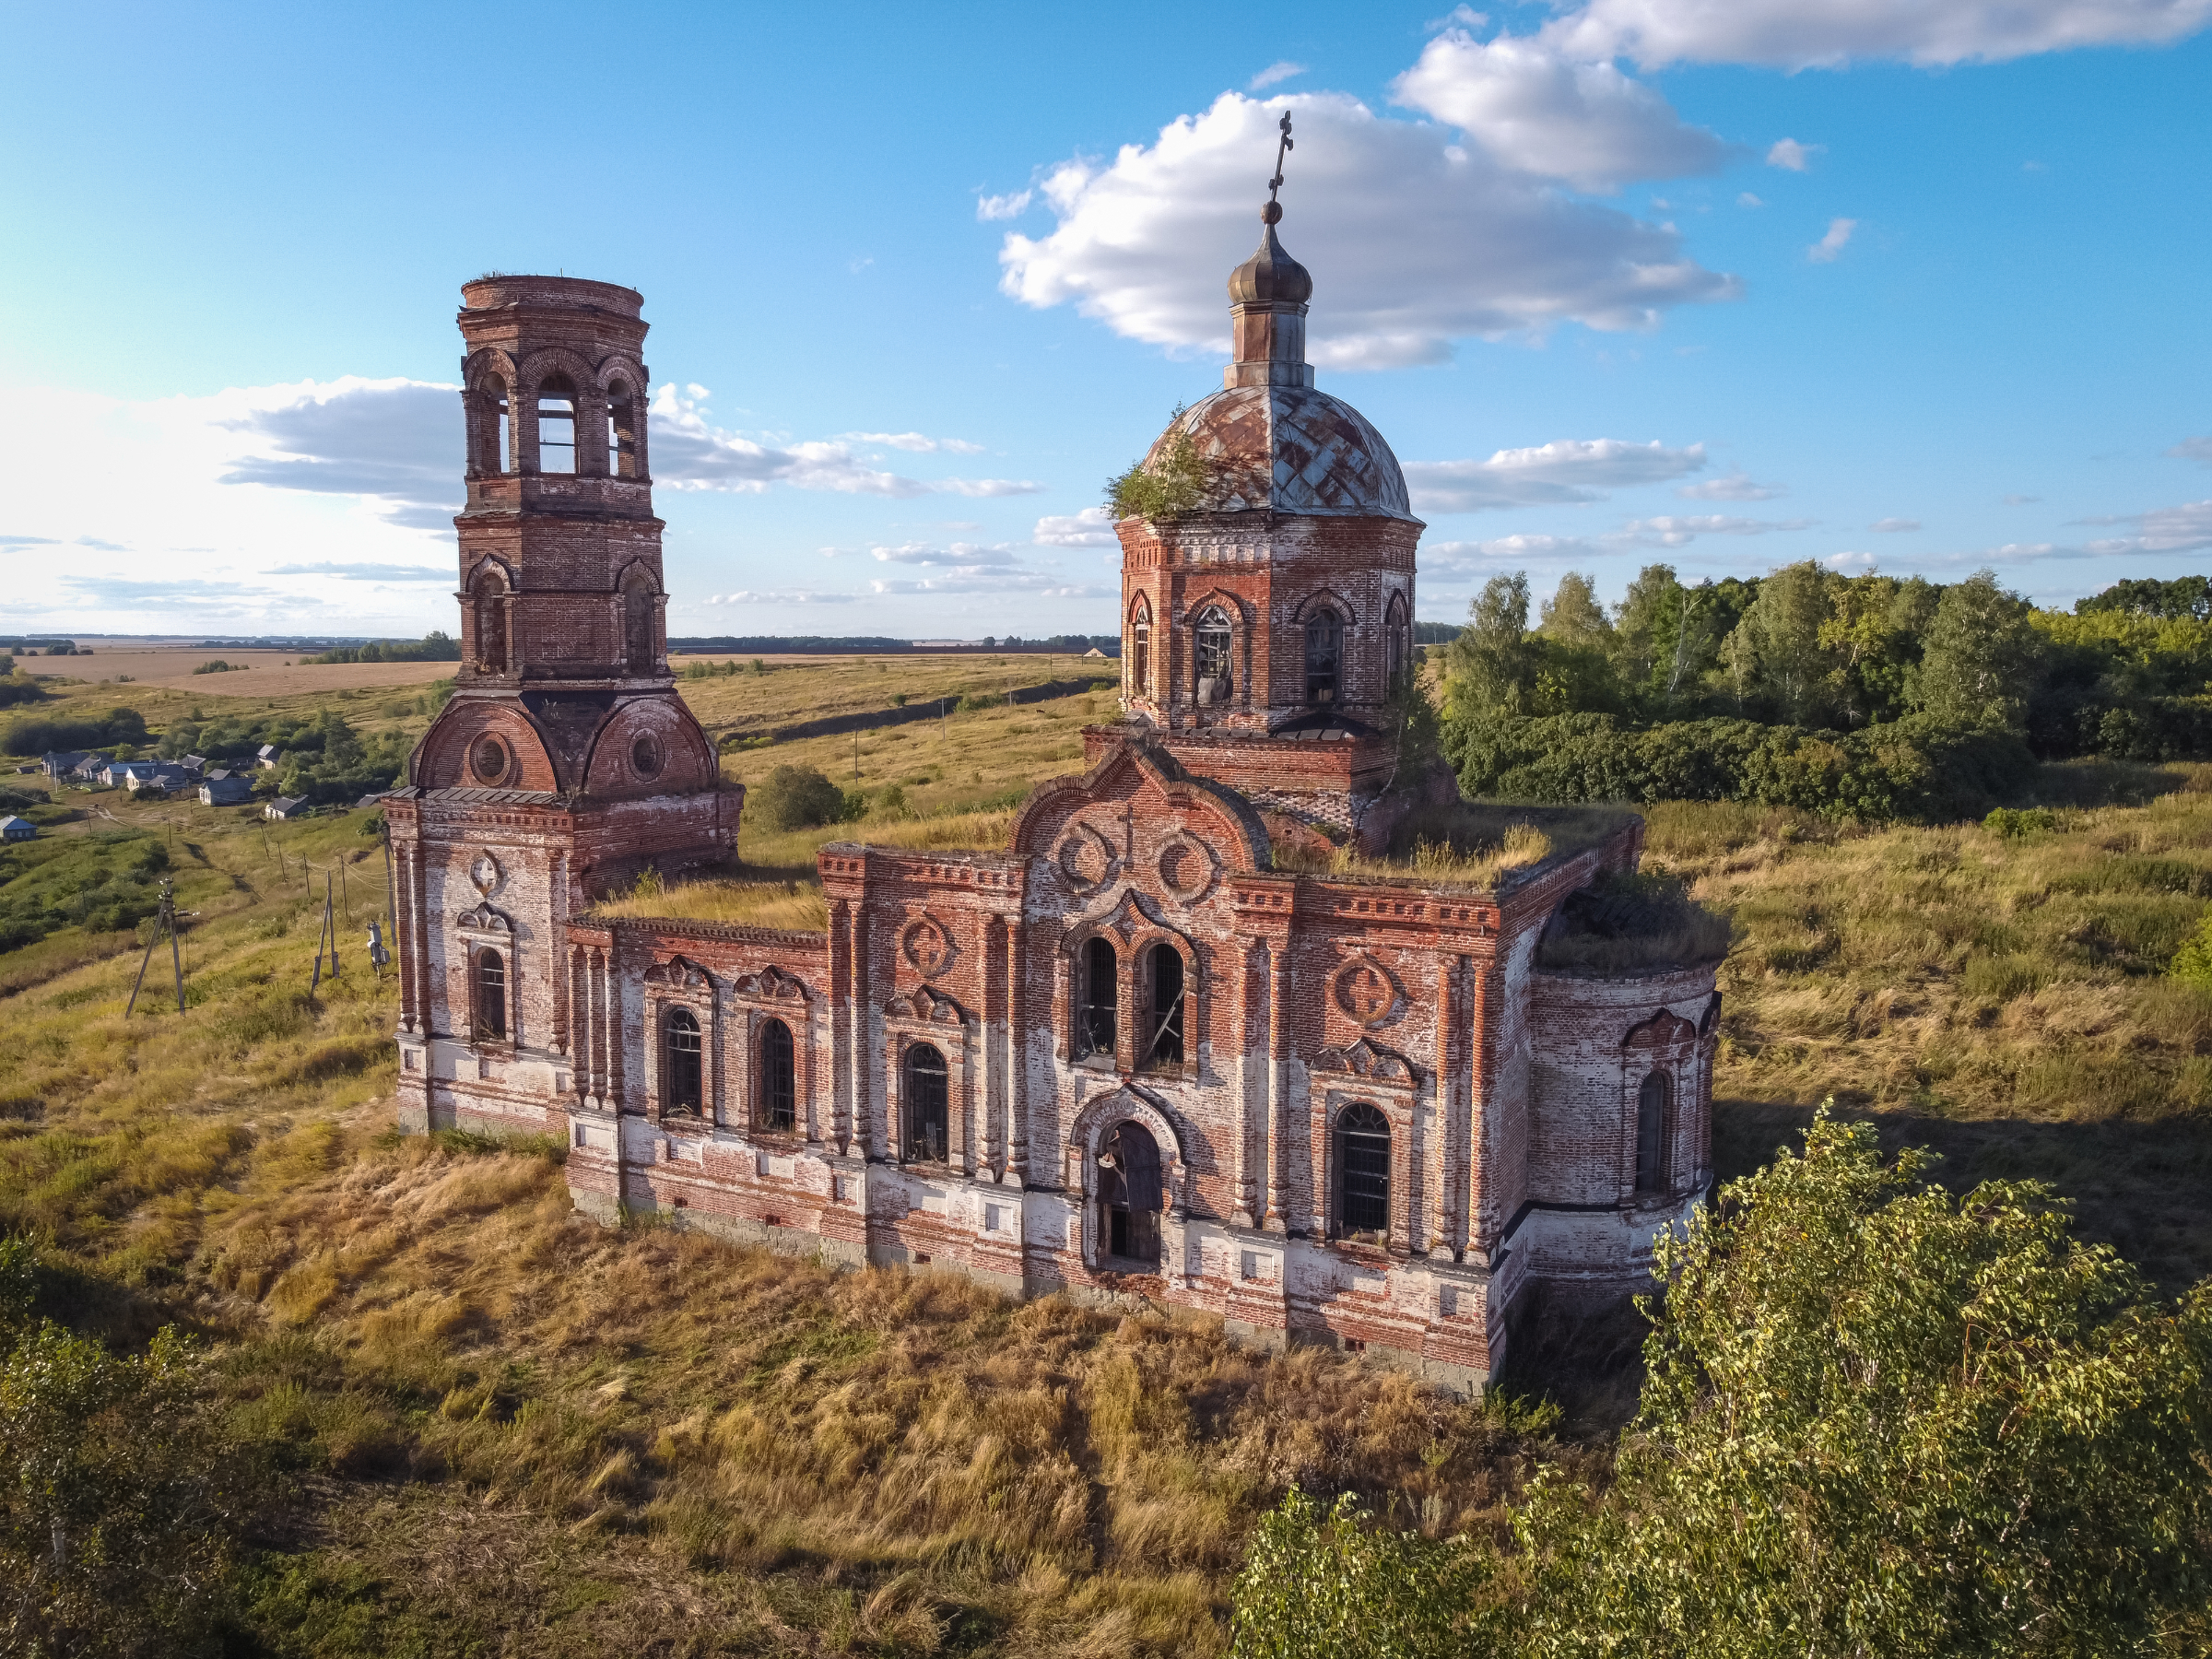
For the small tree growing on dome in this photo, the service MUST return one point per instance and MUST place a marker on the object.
(1175, 484)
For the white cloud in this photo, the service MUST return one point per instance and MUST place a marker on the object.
(1894, 527)
(781, 596)
(990, 487)
(989, 207)
(1559, 473)
(1541, 113)
(1415, 240)
(367, 571)
(1093, 527)
(1797, 34)
(688, 453)
(915, 443)
(2020, 500)
(1737, 486)
(2194, 449)
(960, 553)
(1851, 563)
(1459, 560)
(1674, 531)
(1281, 70)
(1790, 154)
(2182, 529)
(1828, 246)
(1749, 200)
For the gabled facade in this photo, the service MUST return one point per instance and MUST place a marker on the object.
(1123, 1057)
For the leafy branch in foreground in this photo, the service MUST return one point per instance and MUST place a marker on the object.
(1878, 1418)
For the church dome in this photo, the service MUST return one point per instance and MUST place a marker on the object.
(1287, 449)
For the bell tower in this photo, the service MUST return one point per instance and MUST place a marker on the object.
(565, 763)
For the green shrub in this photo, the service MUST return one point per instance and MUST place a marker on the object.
(797, 798)
(2012, 822)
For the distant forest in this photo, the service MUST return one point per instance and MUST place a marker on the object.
(1858, 696)
(870, 644)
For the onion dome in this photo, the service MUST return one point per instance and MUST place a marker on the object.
(1287, 449)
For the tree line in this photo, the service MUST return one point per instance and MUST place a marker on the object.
(1867, 696)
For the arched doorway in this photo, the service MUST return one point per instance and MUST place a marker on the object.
(1129, 1198)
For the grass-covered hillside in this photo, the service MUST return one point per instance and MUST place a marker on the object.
(439, 1414)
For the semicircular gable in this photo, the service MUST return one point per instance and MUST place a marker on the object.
(650, 747)
(486, 745)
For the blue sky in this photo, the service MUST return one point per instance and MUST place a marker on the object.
(1921, 288)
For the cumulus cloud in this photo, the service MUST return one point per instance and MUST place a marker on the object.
(2182, 529)
(989, 207)
(1799, 34)
(1281, 70)
(1546, 114)
(915, 444)
(1791, 155)
(2198, 450)
(1560, 472)
(1828, 246)
(1894, 527)
(1674, 531)
(397, 443)
(1093, 527)
(689, 452)
(1737, 486)
(1414, 241)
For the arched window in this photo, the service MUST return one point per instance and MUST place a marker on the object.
(1163, 1008)
(1362, 1170)
(1651, 1133)
(492, 452)
(682, 1087)
(621, 432)
(779, 1078)
(1129, 1195)
(1397, 645)
(637, 621)
(488, 594)
(1325, 653)
(1210, 642)
(1096, 998)
(491, 994)
(925, 1104)
(556, 426)
(1140, 649)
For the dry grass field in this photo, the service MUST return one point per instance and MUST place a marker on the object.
(254, 673)
(505, 1429)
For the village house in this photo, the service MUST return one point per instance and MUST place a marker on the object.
(225, 788)
(1169, 1043)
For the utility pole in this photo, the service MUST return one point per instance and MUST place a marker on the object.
(165, 921)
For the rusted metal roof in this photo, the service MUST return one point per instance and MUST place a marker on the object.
(1290, 449)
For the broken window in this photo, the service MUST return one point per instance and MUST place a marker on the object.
(1130, 1195)
(683, 1091)
(1211, 640)
(621, 432)
(491, 994)
(1362, 1169)
(1140, 649)
(779, 1078)
(1325, 651)
(1163, 1013)
(1398, 644)
(557, 426)
(925, 1104)
(489, 593)
(1097, 995)
(490, 434)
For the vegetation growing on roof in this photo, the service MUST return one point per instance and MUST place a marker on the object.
(1174, 483)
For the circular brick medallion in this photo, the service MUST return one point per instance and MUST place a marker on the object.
(488, 761)
(928, 946)
(645, 756)
(1366, 991)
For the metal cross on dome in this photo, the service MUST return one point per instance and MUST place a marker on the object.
(1274, 210)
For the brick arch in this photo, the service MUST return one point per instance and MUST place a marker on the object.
(1235, 828)
(1303, 612)
(483, 363)
(541, 365)
(687, 759)
(1104, 1111)
(443, 760)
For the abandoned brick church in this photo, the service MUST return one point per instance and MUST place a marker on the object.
(1160, 1044)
